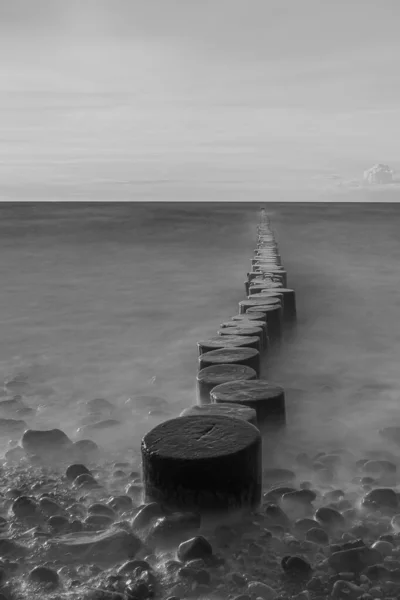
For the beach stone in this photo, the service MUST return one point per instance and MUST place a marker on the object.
(98, 427)
(329, 517)
(10, 548)
(266, 399)
(385, 548)
(257, 589)
(49, 507)
(381, 498)
(343, 589)
(44, 575)
(296, 565)
(228, 409)
(276, 516)
(276, 494)
(45, 443)
(15, 455)
(73, 471)
(85, 481)
(210, 377)
(354, 559)
(196, 547)
(318, 536)
(99, 405)
(173, 528)
(24, 507)
(108, 547)
(303, 525)
(101, 509)
(248, 357)
(203, 463)
(147, 515)
(135, 491)
(86, 448)
(97, 522)
(131, 565)
(58, 523)
(379, 466)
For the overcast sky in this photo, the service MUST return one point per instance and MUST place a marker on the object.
(197, 89)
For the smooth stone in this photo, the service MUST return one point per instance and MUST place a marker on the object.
(257, 589)
(98, 427)
(86, 448)
(58, 523)
(276, 516)
(196, 547)
(303, 525)
(131, 565)
(354, 559)
(101, 509)
(146, 516)
(46, 442)
(276, 494)
(329, 517)
(99, 405)
(109, 547)
(381, 498)
(120, 503)
(24, 507)
(203, 463)
(296, 565)
(318, 536)
(73, 471)
(97, 522)
(385, 548)
(49, 507)
(173, 528)
(85, 481)
(379, 466)
(44, 576)
(346, 589)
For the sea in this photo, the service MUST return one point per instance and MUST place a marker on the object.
(108, 300)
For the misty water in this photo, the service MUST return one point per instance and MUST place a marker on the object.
(108, 300)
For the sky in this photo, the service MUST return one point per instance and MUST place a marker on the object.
(205, 94)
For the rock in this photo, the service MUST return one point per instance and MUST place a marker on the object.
(203, 463)
(85, 481)
(101, 509)
(99, 405)
(109, 547)
(120, 503)
(257, 589)
(379, 466)
(276, 516)
(58, 523)
(196, 547)
(24, 507)
(49, 507)
(73, 471)
(98, 427)
(142, 587)
(173, 529)
(46, 443)
(147, 515)
(135, 491)
(11, 548)
(343, 589)
(131, 565)
(353, 559)
(15, 455)
(276, 494)
(381, 498)
(296, 565)
(301, 526)
(329, 517)
(85, 448)
(385, 548)
(44, 576)
(97, 522)
(318, 536)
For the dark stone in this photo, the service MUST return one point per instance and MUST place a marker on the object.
(318, 536)
(11, 548)
(147, 515)
(131, 565)
(15, 455)
(276, 516)
(196, 547)
(276, 493)
(45, 443)
(300, 497)
(301, 526)
(97, 522)
(49, 507)
(381, 498)
(58, 523)
(73, 471)
(329, 517)
(173, 528)
(24, 507)
(75, 526)
(296, 565)
(86, 448)
(44, 575)
(354, 560)
(85, 481)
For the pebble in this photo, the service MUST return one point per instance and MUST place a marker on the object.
(85, 481)
(354, 559)
(58, 523)
(318, 536)
(385, 548)
(301, 526)
(73, 471)
(296, 565)
(120, 503)
(101, 509)
(196, 547)
(44, 575)
(276, 516)
(97, 522)
(261, 590)
(24, 507)
(49, 507)
(381, 498)
(345, 589)
(329, 517)
(147, 515)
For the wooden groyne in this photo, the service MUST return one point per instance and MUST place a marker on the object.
(186, 459)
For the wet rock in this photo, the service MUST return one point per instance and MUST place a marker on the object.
(131, 565)
(46, 443)
(85, 448)
(75, 526)
(10, 548)
(379, 466)
(58, 523)
(301, 526)
(141, 588)
(120, 503)
(49, 507)
(147, 515)
(44, 576)
(101, 509)
(99, 405)
(276, 516)
(24, 507)
(300, 496)
(318, 536)
(15, 455)
(296, 566)
(12, 427)
(381, 498)
(173, 528)
(343, 589)
(73, 471)
(135, 491)
(257, 589)
(109, 547)
(384, 547)
(353, 559)
(329, 517)
(196, 547)
(334, 495)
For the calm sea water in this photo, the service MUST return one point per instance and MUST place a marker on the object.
(108, 300)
